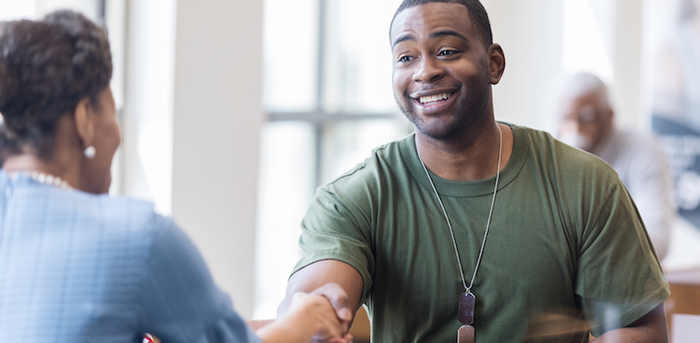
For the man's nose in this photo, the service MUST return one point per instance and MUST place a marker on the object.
(429, 70)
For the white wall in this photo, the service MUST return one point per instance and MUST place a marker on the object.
(627, 90)
(148, 105)
(532, 34)
(216, 134)
(191, 120)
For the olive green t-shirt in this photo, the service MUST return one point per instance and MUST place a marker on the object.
(565, 235)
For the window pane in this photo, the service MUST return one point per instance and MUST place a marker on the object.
(290, 55)
(16, 9)
(286, 187)
(89, 8)
(348, 143)
(358, 66)
(587, 38)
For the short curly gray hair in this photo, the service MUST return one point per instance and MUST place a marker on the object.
(46, 68)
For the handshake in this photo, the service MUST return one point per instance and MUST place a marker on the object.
(324, 315)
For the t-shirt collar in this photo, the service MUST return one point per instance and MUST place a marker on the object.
(483, 187)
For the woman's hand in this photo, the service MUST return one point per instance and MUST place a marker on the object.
(316, 311)
(312, 317)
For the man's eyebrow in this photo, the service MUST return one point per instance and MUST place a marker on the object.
(436, 34)
(403, 39)
(444, 33)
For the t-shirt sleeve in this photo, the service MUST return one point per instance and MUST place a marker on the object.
(337, 230)
(619, 278)
(179, 300)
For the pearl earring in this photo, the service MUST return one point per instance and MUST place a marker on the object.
(90, 152)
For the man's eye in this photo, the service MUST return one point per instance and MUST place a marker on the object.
(404, 59)
(446, 52)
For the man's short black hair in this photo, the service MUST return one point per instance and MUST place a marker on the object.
(477, 14)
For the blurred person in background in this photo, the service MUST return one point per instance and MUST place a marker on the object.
(586, 121)
(77, 265)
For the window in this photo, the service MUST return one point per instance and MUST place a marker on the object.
(29, 9)
(327, 90)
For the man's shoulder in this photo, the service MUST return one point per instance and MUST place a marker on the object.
(550, 154)
(383, 161)
(545, 147)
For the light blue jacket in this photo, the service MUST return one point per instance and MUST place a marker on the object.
(77, 267)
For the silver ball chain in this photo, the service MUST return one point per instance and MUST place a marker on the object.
(488, 221)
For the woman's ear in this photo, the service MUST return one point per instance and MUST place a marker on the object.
(497, 62)
(84, 122)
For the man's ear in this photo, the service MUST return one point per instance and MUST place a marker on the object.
(497, 62)
(611, 116)
(84, 122)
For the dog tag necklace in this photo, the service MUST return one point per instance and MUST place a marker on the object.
(467, 300)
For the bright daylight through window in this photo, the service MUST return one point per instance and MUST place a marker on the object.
(327, 91)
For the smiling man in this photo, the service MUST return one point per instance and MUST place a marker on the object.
(471, 229)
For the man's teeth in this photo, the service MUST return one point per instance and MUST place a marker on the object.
(433, 98)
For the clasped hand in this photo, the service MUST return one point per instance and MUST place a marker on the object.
(326, 310)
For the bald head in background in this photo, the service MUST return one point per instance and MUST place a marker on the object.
(586, 121)
(585, 112)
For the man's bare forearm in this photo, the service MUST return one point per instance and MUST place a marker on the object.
(652, 328)
(337, 281)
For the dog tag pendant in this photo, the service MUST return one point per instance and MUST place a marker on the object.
(465, 334)
(465, 313)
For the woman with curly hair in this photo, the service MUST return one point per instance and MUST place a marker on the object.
(75, 263)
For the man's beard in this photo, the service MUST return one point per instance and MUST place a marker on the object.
(469, 110)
